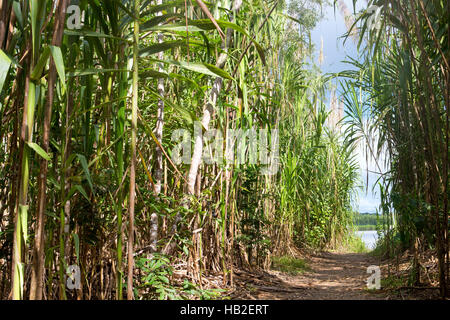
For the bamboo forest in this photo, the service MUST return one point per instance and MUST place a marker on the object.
(200, 150)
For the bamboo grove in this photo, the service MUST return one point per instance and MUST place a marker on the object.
(88, 112)
(397, 100)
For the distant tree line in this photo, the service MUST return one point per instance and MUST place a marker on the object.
(367, 221)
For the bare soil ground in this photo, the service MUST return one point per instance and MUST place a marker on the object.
(331, 276)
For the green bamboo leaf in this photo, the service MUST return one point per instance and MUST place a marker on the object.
(34, 14)
(204, 68)
(85, 166)
(159, 20)
(291, 18)
(87, 72)
(220, 72)
(82, 191)
(76, 241)
(24, 221)
(183, 78)
(161, 7)
(19, 285)
(211, 18)
(37, 10)
(59, 63)
(89, 33)
(5, 63)
(189, 116)
(207, 25)
(150, 73)
(39, 150)
(78, 188)
(176, 27)
(158, 47)
(18, 13)
(40, 65)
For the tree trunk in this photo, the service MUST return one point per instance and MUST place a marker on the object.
(37, 272)
(158, 151)
(134, 108)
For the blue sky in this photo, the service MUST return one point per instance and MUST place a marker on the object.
(330, 30)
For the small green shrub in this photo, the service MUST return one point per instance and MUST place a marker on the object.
(392, 282)
(155, 282)
(355, 244)
(289, 265)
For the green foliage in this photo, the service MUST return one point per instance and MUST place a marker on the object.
(157, 271)
(155, 282)
(253, 223)
(366, 227)
(77, 163)
(319, 179)
(355, 244)
(387, 244)
(289, 264)
(361, 219)
(392, 282)
(368, 221)
(397, 100)
(191, 291)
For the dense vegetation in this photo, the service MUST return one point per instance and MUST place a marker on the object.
(88, 119)
(365, 219)
(91, 115)
(368, 221)
(397, 101)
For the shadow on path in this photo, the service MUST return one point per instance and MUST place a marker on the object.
(332, 276)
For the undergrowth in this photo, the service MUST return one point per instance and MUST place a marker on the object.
(352, 244)
(156, 274)
(289, 265)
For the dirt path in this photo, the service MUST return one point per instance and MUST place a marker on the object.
(332, 276)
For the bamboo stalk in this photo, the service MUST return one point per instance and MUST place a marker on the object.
(134, 111)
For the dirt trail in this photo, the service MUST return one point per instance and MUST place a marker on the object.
(332, 276)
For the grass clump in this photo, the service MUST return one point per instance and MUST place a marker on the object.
(392, 282)
(355, 244)
(290, 265)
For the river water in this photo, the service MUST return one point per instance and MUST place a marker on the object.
(368, 237)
